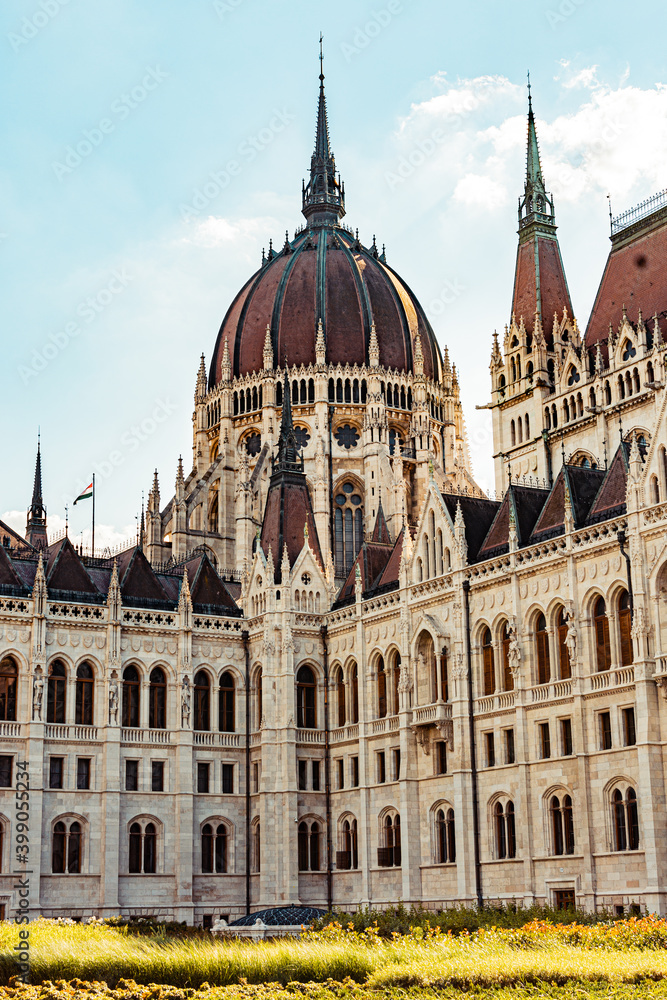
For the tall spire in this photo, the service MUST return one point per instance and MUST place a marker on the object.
(323, 197)
(36, 523)
(540, 285)
(536, 206)
(288, 450)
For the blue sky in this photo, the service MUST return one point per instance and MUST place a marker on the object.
(114, 282)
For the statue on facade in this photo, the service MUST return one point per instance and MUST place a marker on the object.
(113, 699)
(186, 699)
(571, 637)
(514, 651)
(37, 695)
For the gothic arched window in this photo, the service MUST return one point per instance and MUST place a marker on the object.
(625, 629)
(66, 848)
(142, 848)
(157, 699)
(542, 644)
(83, 715)
(214, 849)
(8, 678)
(305, 699)
(226, 703)
(202, 701)
(602, 642)
(348, 527)
(130, 708)
(382, 689)
(55, 706)
(487, 662)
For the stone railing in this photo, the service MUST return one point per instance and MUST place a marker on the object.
(344, 733)
(618, 677)
(217, 739)
(437, 712)
(63, 731)
(309, 736)
(501, 701)
(15, 606)
(552, 691)
(387, 725)
(160, 736)
(10, 730)
(78, 612)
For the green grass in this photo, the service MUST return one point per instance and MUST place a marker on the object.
(597, 960)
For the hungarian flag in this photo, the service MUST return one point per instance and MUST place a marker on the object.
(86, 495)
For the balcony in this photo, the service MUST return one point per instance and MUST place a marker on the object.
(217, 739)
(159, 736)
(387, 725)
(62, 731)
(10, 730)
(495, 703)
(309, 736)
(618, 677)
(344, 733)
(425, 715)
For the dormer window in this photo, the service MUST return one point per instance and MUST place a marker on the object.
(629, 350)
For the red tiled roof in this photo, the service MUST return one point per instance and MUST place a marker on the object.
(136, 576)
(288, 510)
(635, 275)
(554, 295)
(206, 587)
(346, 286)
(610, 501)
(65, 570)
(528, 502)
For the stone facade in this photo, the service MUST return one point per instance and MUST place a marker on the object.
(449, 699)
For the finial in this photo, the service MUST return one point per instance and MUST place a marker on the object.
(321, 58)
(562, 447)
(529, 95)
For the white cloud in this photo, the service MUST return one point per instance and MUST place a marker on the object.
(479, 191)
(106, 536)
(216, 231)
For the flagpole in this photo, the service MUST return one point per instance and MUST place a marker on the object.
(93, 539)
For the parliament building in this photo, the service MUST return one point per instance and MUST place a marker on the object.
(332, 672)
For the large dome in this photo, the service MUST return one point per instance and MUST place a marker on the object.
(325, 273)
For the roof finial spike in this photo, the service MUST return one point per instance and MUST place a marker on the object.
(323, 196)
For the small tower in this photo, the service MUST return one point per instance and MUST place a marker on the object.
(35, 531)
(323, 197)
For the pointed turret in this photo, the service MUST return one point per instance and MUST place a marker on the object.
(288, 522)
(288, 450)
(373, 348)
(323, 197)
(35, 531)
(226, 367)
(540, 286)
(200, 387)
(268, 349)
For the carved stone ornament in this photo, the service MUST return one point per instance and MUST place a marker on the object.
(459, 669)
(514, 650)
(186, 698)
(661, 681)
(422, 736)
(37, 694)
(113, 699)
(446, 729)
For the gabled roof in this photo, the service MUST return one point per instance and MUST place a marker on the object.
(380, 530)
(136, 576)
(478, 515)
(206, 587)
(288, 510)
(526, 503)
(610, 501)
(65, 570)
(16, 540)
(635, 276)
(8, 577)
(583, 486)
(373, 560)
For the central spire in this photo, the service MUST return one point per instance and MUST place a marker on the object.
(536, 207)
(288, 450)
(323, 197)
(36, 524)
